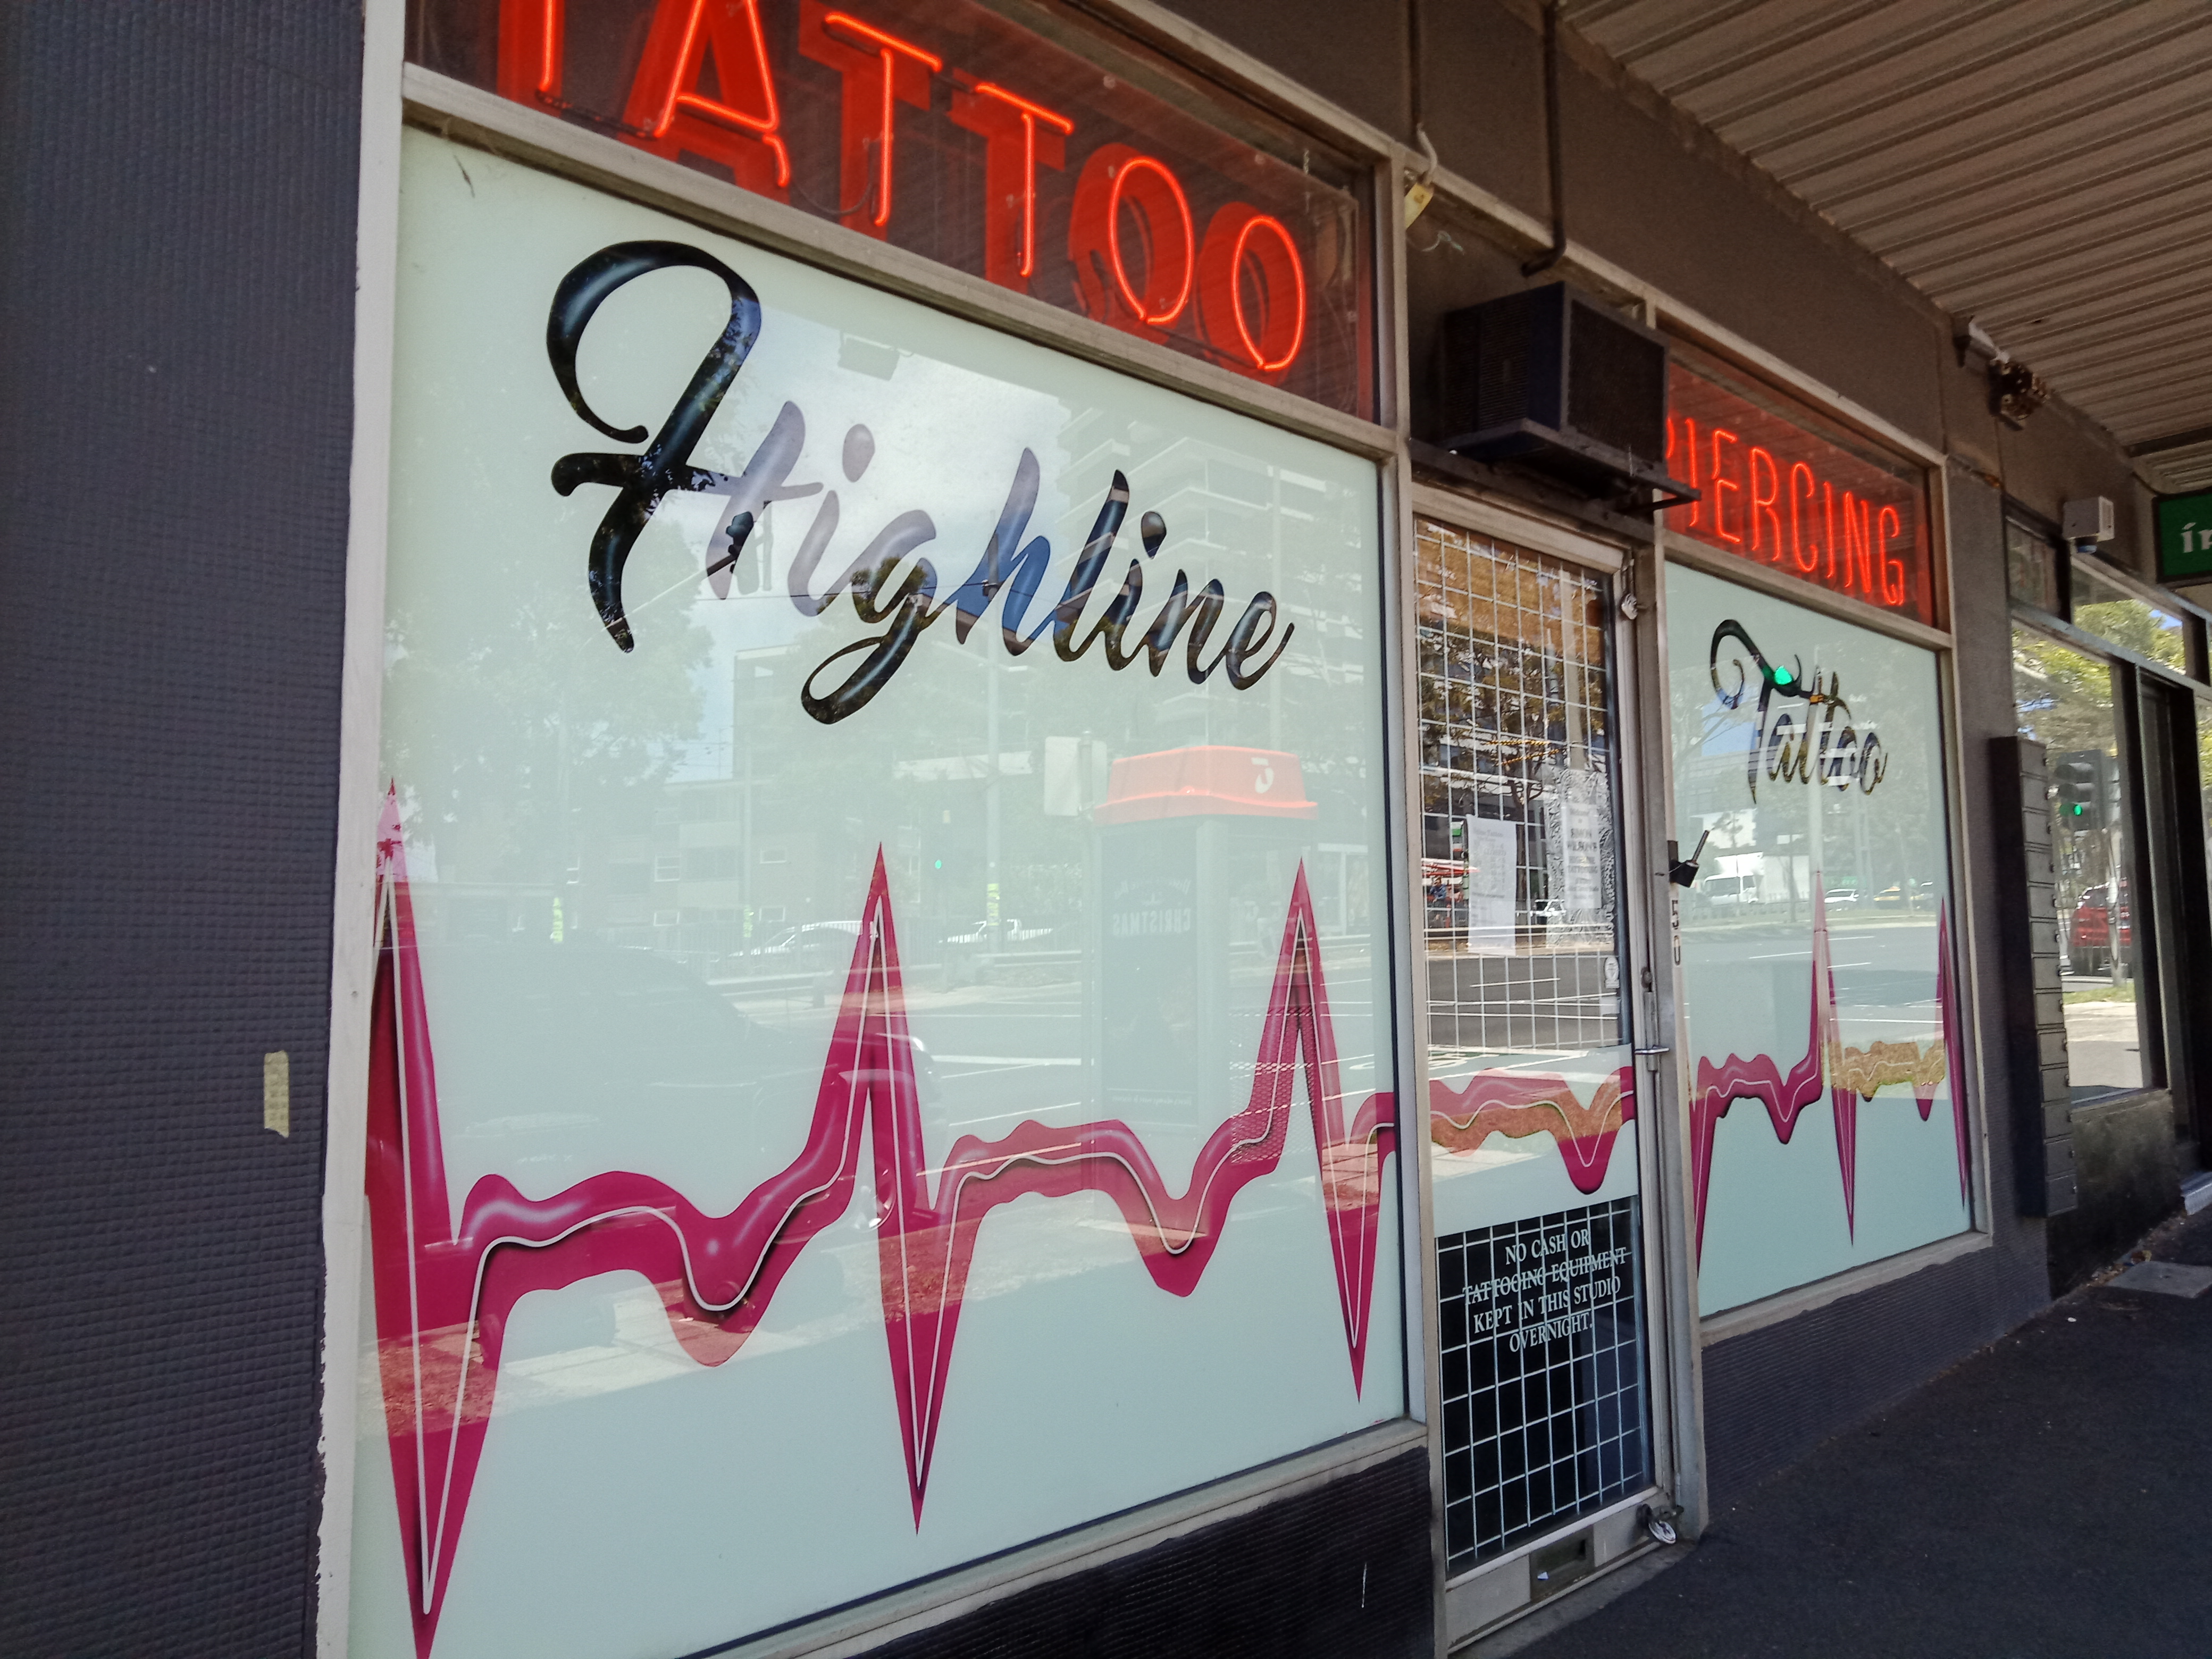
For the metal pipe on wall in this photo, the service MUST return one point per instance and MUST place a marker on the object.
(1558, 250)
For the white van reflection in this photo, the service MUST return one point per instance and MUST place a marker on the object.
(1728, 892)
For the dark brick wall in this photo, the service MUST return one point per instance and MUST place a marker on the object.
(1341, 1571)
(176, 247)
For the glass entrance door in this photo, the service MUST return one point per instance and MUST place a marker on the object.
(1532, 1147)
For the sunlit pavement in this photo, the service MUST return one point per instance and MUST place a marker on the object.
(2043, 1500)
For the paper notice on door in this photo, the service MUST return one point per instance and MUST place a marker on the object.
(1492, 858)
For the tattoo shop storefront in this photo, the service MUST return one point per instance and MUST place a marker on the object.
(1026, 983)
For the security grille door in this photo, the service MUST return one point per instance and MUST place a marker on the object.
(1533, 1097)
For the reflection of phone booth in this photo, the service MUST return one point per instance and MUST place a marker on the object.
(1197, 851)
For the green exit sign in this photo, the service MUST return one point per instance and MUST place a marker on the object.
(2184, 537)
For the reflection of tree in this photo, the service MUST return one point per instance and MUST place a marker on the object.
(2064, 696)
(2133, 626)
(513, 762)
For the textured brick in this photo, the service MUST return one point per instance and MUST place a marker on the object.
(176, 235)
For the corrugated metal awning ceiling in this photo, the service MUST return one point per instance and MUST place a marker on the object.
(2042, 166)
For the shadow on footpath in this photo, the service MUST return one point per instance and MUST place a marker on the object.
(2047, 1498)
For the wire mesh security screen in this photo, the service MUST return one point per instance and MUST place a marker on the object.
(1545, 1407)
(1532, 1102)
(1053, 162)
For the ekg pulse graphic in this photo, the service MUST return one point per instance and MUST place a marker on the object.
(1517, 1103)
(443, 1291)
(1848, 1074)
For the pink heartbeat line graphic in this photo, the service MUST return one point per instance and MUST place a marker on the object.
(1517, 1103)
(443, 1293)
(1848, 1074)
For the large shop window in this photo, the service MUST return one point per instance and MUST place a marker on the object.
(946, 128)
(2066, 703)
(1828, 1120)
(881, 1048)
(1531, 1101)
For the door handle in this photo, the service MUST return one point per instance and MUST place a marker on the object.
(1652, 1051)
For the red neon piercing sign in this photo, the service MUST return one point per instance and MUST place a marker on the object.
(1777, 494)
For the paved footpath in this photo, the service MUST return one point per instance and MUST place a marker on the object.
(2049, 1499)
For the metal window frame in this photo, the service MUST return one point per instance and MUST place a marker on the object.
(395, 94)
(2130, 744)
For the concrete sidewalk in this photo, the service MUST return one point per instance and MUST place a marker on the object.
(2049, 1499)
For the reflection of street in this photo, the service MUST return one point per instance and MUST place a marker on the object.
(1002, 1053)
(2104, 1044)
(1884, 976)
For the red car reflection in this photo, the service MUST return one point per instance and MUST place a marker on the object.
(2089, 930)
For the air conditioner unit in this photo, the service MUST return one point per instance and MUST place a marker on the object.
(1552, 379)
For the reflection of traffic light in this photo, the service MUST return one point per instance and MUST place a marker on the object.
(2081, 801)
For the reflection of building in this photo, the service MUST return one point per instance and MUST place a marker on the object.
(1195, 846)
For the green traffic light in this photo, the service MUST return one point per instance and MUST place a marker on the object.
(1784, 677)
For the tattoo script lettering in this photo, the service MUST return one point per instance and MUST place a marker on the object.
(1783, 747)
(1010, 571)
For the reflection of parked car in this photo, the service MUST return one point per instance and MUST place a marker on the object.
(539, 1043)
(2089, 930)
(1730, 892)
(1841, 897)
(997, 935)
(814, 947)
(530, 1033)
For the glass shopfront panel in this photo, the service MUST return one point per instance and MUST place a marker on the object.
(1828, 1127)
(2112, 613)
(2033, 572)
(2066, 704)
(1532, 1097)
(881, 1048)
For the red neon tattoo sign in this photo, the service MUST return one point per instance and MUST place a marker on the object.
(672, 116)
(898, 61)
(1147, 200)
(1014, 148)
(1776, 493)
(531, 44)
(1240, 242)
(1106, 201)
